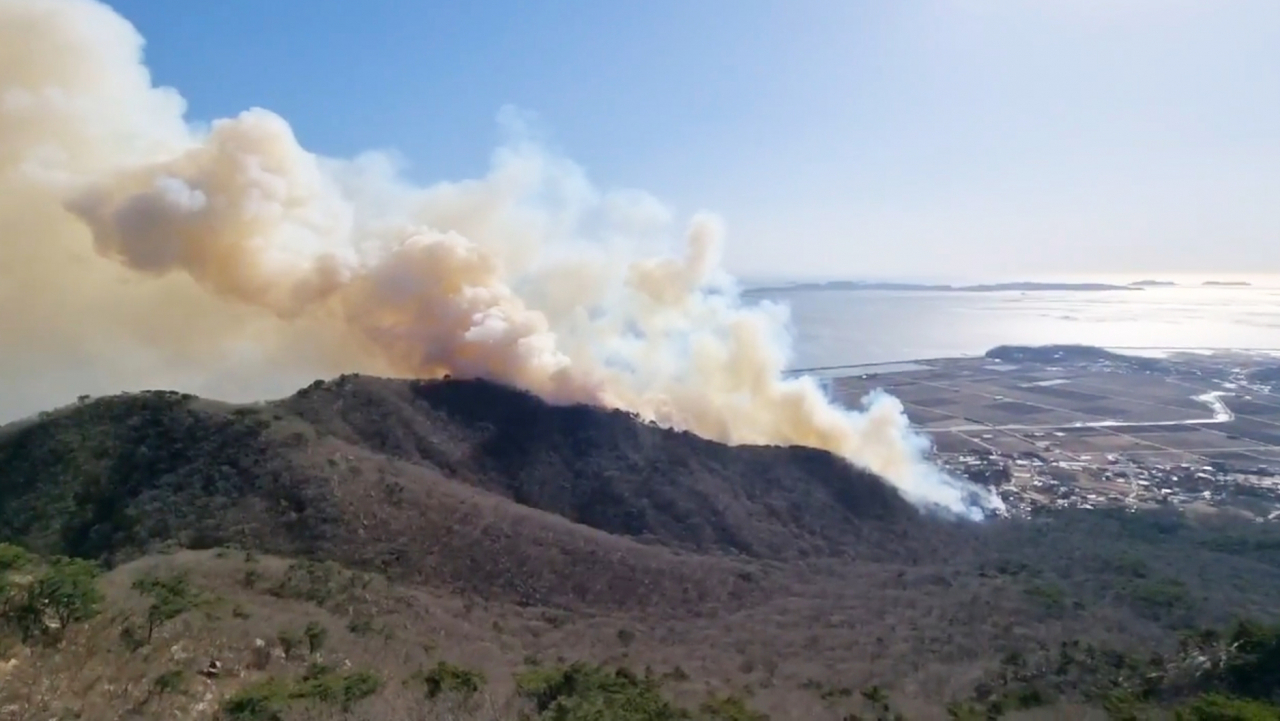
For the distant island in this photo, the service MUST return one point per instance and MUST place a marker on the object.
(981, 288)
(1227, 283)
(1153, 283)
(1073, 353)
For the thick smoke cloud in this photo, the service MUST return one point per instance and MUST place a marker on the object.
(135, 244)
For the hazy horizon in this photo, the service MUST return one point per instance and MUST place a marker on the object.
(1257, 280)
(237, 198)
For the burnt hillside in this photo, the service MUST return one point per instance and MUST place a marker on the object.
(466, 484)
(604, 469)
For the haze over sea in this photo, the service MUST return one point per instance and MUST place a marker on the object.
(838, 328)
(834, 327)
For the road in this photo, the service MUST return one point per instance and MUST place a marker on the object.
(1221, 414)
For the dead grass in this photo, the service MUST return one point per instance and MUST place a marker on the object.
(773, 654)
(781, 654)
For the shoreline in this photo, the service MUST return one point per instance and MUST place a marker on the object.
(1203, 350)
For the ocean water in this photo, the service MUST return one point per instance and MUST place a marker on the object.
(852, 327)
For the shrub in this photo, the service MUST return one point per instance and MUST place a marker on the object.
(42, 598)
(966, 711)
(322, 684)
(361, 626)
(316, 635)
(359, 686)
(68, 590)
(730, 708)
(171, 596)
(132, 637)
(319, 583)
(1159, 599)
(1253, 667)
(581, 692)
(1050, 596)
(170, 681)
(261, 701)
(1215, 707)
(677, 674)
(289, 641)
(267, 700)
(14, 558)
(446, 678)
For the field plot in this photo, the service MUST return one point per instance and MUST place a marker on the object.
(1108, 443)
(1253, 407)
(1196, 439)
(1009, 443)
(1076, 412)
(1168, 458)
(946, 442)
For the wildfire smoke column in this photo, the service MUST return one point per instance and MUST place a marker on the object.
(231, 238)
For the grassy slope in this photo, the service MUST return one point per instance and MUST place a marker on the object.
(373, 624)
(803, 657)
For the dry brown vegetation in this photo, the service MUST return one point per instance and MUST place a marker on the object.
(467, 523)
(798, 658)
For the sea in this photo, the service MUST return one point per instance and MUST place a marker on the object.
(834, 328)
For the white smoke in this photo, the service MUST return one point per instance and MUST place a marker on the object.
(233, 242)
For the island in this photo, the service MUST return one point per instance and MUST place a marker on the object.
(1023, 286)
(1153, 283)
(1227, 283)
(1074, 354)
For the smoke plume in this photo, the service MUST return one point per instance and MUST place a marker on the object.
(147, 249)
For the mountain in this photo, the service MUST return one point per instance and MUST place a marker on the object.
(436, 529)
(483, 479)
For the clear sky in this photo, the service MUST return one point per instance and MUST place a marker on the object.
(912, 138)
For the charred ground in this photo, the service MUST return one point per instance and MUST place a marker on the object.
(606, 470)
(779, 570)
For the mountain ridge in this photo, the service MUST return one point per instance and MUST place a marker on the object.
(462, 483)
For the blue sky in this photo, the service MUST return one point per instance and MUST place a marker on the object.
(960, 138)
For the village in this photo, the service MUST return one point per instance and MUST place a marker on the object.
(1029, 484)
(1062, 427)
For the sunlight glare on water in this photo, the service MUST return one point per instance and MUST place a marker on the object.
(851, 327)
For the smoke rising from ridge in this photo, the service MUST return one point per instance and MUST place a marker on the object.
(124, 232)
